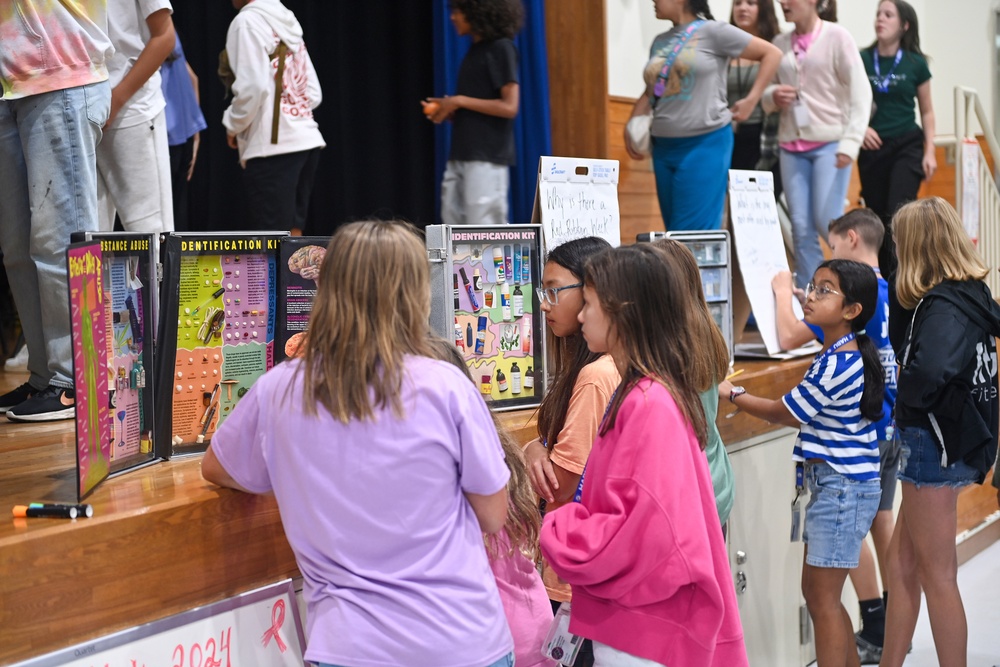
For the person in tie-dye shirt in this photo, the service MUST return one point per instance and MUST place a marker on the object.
(55, 100)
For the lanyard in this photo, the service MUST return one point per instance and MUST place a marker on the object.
(882, 84)
(578, 496)
(836, 346)
(678, 43)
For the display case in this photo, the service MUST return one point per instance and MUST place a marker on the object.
(483, 297)
(711, 249)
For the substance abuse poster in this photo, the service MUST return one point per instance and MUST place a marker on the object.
(90, 363)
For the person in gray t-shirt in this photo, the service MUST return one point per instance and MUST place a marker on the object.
(691, 126)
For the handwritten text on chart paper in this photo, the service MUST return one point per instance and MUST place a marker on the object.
(574, 214)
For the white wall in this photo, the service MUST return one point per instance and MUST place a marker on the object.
(960, 44)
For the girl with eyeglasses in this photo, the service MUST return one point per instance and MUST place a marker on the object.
(582, 384)
(641, 544)
(835, 408)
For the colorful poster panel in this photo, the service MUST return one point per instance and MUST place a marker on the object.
(497, 323)
(298, 273)
(218, 326)
(129, 279)
(90, 363)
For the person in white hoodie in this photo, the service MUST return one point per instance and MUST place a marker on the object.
(279, 156)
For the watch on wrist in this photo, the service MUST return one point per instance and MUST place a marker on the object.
(734, 392)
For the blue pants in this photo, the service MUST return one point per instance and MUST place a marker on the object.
(691, 177)
(815, 190)
(48, 181)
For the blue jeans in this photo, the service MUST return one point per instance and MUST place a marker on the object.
(691, 177)
(506, 661)
(815, 190)
(48, 181)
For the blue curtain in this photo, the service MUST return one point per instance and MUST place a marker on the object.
(532, 127)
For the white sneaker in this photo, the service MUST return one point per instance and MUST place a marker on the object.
(19, 362)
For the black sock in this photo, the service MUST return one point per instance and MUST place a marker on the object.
(873, 620)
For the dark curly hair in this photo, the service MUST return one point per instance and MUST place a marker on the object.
(491, 19)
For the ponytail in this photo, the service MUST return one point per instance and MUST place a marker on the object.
(873, 395)
(859, 285)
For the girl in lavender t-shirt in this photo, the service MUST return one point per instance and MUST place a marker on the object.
(385, 465)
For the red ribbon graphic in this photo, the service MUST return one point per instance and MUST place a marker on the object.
(277, 619)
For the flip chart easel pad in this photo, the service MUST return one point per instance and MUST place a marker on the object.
(759, 246)
(577, 197)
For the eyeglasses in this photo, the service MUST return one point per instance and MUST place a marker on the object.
(822, 291)
(550, 295)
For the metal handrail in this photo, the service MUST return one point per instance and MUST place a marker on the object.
(967, 99)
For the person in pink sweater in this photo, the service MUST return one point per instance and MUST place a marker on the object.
(641, 544)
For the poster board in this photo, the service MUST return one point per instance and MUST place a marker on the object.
(971, 157)
(483, 281)
(298, 272)
(759, 247)
(577, 197)
(90, 363)
(131, 291)
(217, 330)
(260, 627)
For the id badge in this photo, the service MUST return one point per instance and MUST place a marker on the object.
(800, 113)
(560, 644)
(796, 535)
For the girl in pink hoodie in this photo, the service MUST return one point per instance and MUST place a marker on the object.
(641, 545)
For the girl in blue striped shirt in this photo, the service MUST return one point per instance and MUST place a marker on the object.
(836, 454)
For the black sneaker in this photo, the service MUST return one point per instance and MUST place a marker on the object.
(17, 396)
(50, 404)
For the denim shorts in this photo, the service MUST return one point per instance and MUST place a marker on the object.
(838, 516)
(920, 461)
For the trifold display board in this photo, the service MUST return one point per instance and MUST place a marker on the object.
(218, 330)
(483, 281)
(298, 271)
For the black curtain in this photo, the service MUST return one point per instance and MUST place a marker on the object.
(375, 63)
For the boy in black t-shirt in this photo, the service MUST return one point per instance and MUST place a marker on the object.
(475, 184)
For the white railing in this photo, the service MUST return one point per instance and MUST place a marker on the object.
(966, 102)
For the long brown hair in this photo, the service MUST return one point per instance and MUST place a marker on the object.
(767, 20)
(523, 520)
(932, 246)
(708, 352)
(371, 309)
(647, 303)
(569, 353)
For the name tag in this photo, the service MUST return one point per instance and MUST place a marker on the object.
(800, 113)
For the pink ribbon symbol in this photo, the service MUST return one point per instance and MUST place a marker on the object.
(277, 619)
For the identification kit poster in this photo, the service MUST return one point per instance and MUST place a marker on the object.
(218, 330)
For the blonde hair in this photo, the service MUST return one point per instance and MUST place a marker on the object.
(371, 309)
(931, 246)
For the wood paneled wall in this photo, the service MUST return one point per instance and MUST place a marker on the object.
(576, 39)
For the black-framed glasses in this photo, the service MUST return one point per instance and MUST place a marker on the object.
(822, 291)
(550, 295)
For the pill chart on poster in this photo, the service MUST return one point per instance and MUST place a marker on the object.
(225, 332)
